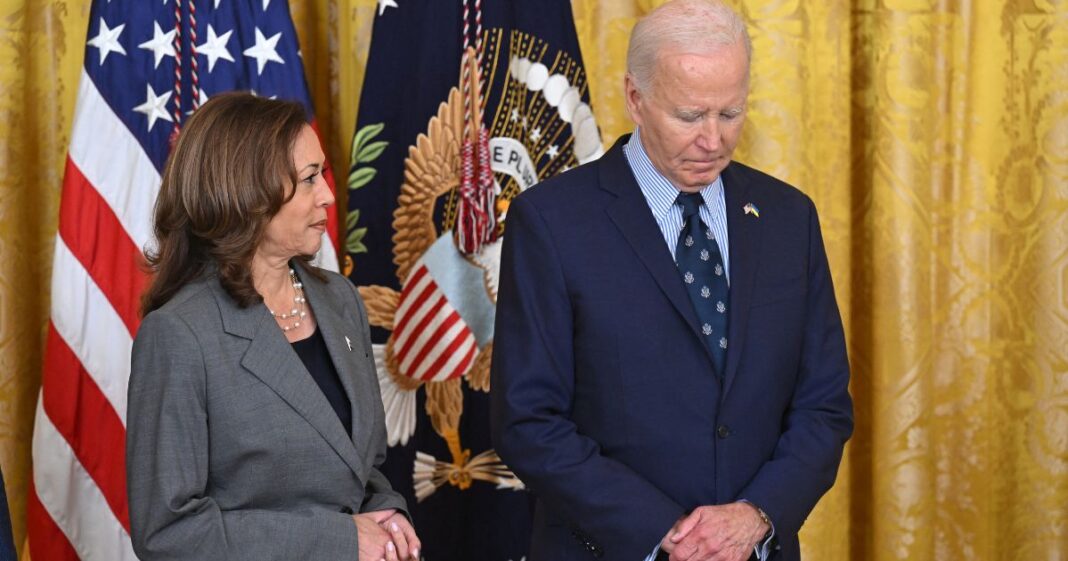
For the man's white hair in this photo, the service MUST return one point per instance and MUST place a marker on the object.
(683, 26)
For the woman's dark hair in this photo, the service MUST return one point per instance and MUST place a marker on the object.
(229, 173)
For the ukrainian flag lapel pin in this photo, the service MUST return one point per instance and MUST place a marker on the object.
(751, 208)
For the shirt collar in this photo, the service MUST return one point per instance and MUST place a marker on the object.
(659, 192)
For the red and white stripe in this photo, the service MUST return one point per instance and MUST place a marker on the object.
(431, 342)
(77, 507)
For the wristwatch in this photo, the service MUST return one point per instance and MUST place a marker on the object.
(763, 516)
(760, 512)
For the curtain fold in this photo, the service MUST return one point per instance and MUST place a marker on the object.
(933, 137)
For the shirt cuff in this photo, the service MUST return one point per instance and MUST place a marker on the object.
(763, 549)
(652, 556)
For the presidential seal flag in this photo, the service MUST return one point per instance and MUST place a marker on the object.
(147, 66)
(465, 104)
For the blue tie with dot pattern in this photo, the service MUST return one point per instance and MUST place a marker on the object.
(701, 267)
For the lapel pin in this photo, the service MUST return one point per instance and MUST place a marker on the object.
(348, 342)
(751, 208)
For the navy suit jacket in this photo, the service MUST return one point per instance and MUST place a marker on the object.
(606, 403)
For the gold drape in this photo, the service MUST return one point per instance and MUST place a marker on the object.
(933, 136)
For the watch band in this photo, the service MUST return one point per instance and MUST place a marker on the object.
(760, 512)
(763, 516)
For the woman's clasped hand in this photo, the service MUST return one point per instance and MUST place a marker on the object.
(386, 535)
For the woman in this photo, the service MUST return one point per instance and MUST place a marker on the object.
(255, 426)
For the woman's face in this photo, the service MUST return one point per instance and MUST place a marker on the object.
(298, 227)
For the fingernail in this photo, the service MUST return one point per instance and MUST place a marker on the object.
(393, 526)
(390, 546)
(415, 553)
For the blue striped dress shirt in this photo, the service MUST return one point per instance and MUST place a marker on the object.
(660, 195)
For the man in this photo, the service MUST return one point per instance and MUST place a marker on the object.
(670, 375)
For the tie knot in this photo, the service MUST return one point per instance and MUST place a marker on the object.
(690, 203)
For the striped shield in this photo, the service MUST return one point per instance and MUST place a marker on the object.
(445, 315)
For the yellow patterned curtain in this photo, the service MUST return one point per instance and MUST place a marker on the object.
(933, 136)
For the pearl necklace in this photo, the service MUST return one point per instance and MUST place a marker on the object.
(297, 313)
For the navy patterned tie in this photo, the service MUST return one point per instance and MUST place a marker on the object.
(701, 267)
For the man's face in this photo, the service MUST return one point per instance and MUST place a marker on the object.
(692, 112)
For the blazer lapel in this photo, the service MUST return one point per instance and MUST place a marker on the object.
(631, 215)
(346, 360)
(745, 234)
(270, 358)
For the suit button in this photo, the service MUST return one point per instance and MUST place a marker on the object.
(723, 431)
(346, 510)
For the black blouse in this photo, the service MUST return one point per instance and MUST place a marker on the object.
(316, 358)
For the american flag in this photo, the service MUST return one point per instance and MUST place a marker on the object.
(148, 64)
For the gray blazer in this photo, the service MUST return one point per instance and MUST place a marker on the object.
(232, 450)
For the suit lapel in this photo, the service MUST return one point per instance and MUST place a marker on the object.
(745, 232)
(346, 360)
(271, 358)
(631, 215)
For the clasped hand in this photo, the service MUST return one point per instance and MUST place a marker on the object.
(386, 535)
(715, 533)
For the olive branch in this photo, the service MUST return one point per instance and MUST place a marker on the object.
(364, 151)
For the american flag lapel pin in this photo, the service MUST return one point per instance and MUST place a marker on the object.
(348, 343)
(751, 208)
